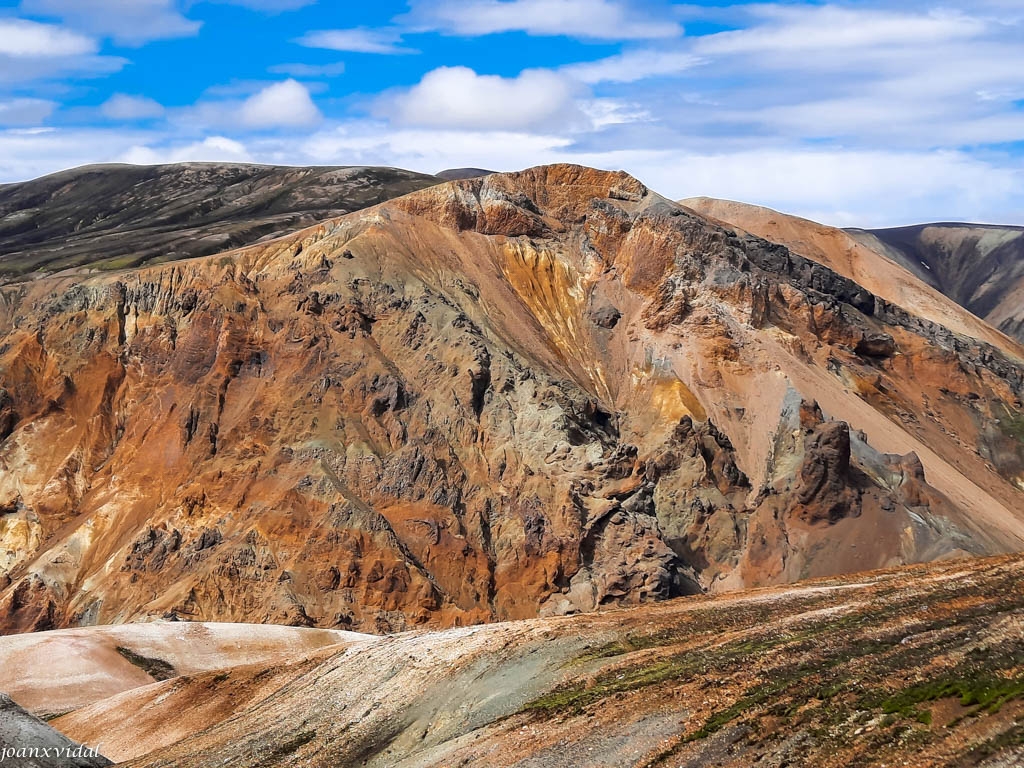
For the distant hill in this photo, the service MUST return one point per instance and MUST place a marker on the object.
(454, 174)
(980, 267)
(118, 216)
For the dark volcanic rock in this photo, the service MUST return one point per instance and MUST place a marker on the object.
(35, 744)
(454, 174)
(606, 316)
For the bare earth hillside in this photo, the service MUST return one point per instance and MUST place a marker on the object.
(917, 667)
(850, 254)
(51, 673)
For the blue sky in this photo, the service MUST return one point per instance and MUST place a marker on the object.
(856, 112)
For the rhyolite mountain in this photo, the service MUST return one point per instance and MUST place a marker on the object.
(519, 394)
(980, 267)
(116, 216)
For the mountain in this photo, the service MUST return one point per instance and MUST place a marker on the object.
(980, 267)
(524, 394)
(117, 216)
(918, 666)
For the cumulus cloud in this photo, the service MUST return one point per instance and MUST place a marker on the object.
(121, 106)
(211, 149)
(457, 97)
(286, 104)
(132, 22)
(594, 19)
(20, 38)
(357, 40)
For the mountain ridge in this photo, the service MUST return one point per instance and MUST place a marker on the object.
(979, 266)
(308, 430)
(118, 215)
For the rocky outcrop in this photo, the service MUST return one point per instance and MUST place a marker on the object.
(538, 392)
(826, 489)
(29, 742)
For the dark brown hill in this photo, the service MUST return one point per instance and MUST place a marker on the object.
(116, 216)
(980, 267)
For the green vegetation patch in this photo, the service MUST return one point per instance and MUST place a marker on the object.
(1013, 426)
(986, 693)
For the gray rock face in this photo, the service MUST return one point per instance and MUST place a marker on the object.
(28, 742)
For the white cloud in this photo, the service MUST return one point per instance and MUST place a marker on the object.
(595, 19)
(121, 106)
(272, 6)
(20, 38)
(792, 30)
(25, 111)
(285, 104)
(911, 79)
(212, 149)
(632, 66)
(358, 40)
(309, 70)
(840, 187)
(28, 154)
(836, 186)
(131, 22)
(33, 51)
(605, 112)
(457, 97)
(431, 150)
(851, 113)
(853, 188)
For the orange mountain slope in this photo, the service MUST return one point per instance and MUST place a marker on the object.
(520, 394)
